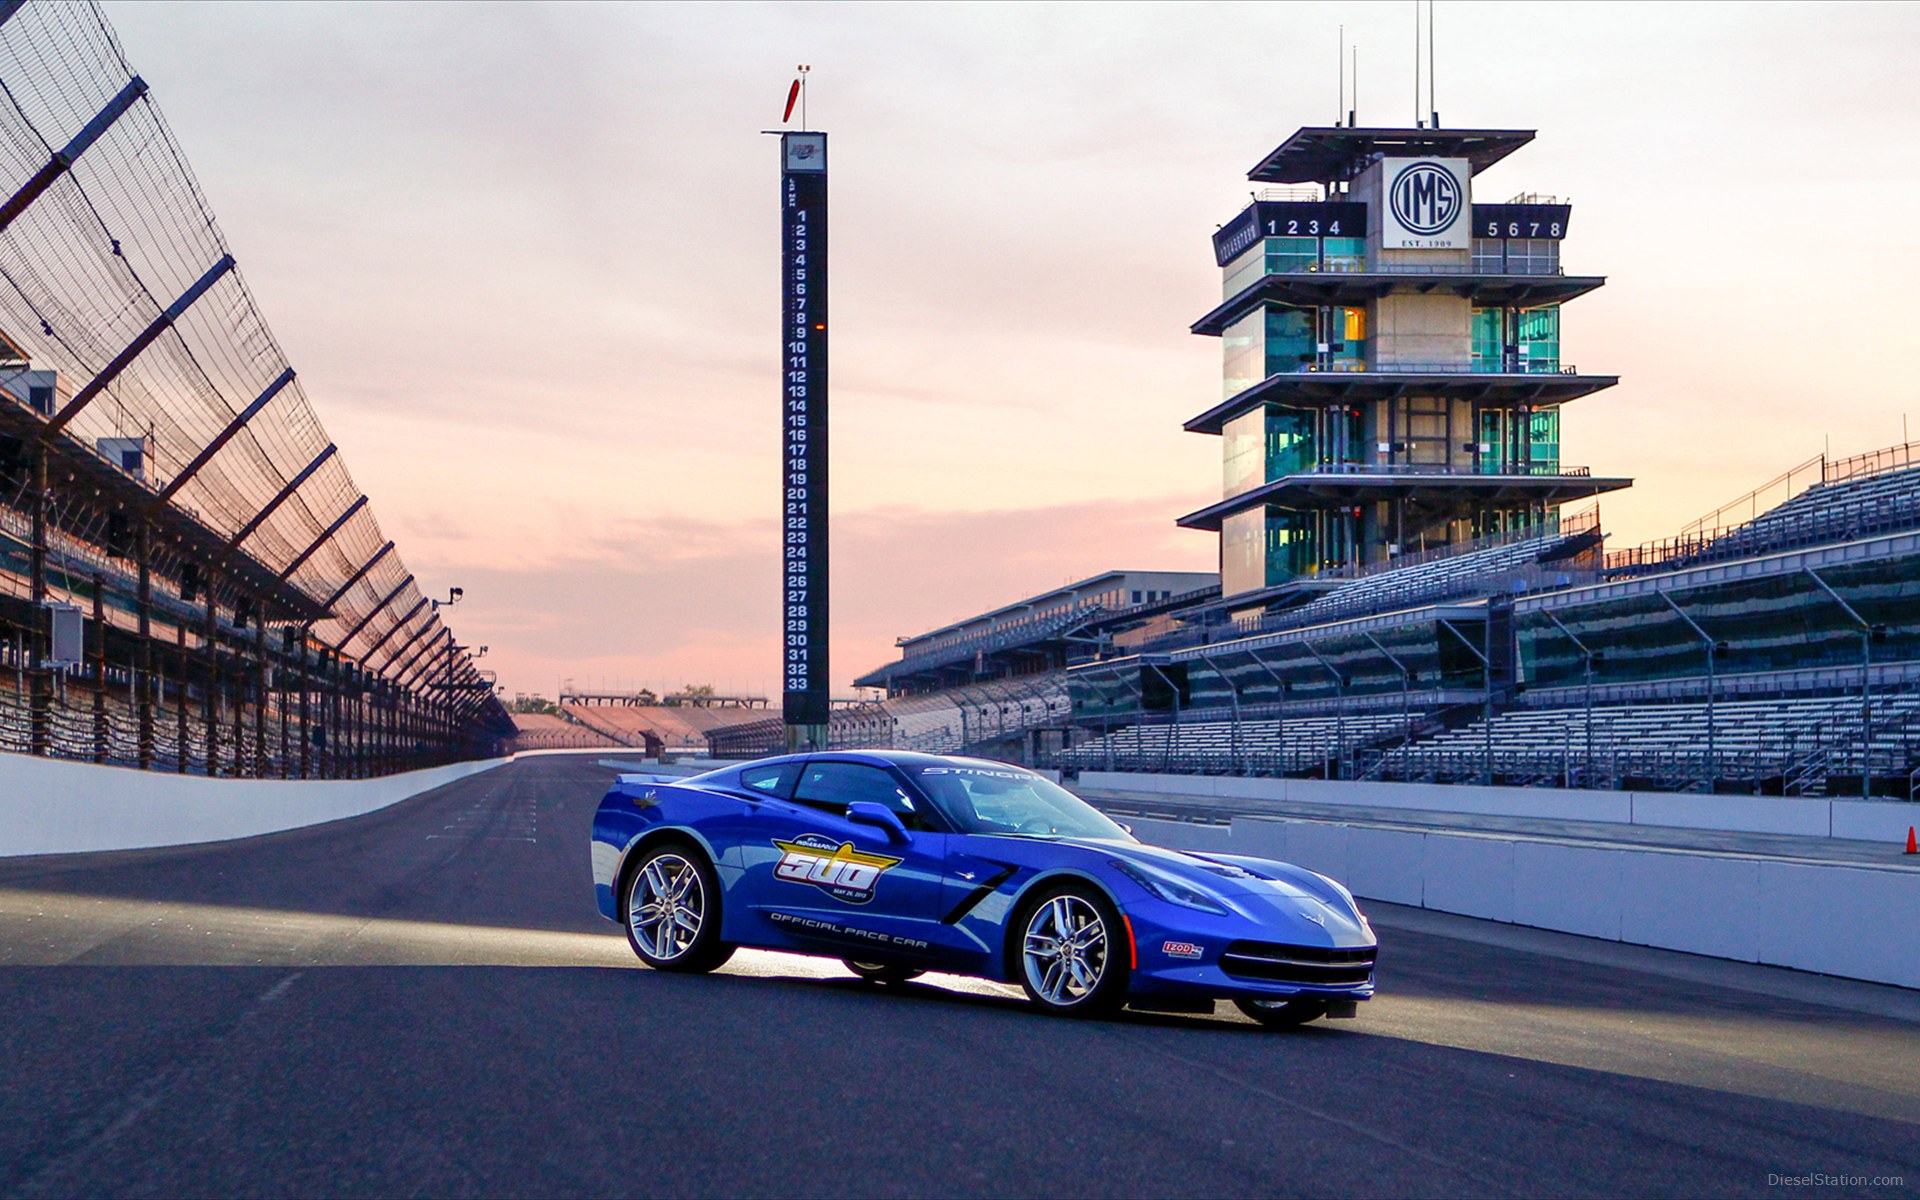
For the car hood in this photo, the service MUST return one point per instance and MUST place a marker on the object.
(1254, 885)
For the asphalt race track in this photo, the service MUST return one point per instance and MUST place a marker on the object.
(424, 1001)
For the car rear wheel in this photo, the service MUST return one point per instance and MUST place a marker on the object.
(673, 911)
(882, 972)
(1073, 953)
(1283, 1014)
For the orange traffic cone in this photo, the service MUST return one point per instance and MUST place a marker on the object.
(1912, 846)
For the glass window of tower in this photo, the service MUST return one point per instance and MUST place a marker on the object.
(1240, 274)
(1348, 345)
(1242, 552)
(1343, 254)
(1243, 441)
(1490, 256)
(1495, 448)
(1533, 256)
(1288, 254)
(1245, 352)
(1291, 345)
(1488, 338)
(1540, 338)
(1543, 441)
(1291, 446)
(1271, 545)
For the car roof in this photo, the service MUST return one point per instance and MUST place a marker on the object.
(883, 757)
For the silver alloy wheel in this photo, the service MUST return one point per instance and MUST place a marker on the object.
(1066, 950)
(668, 907)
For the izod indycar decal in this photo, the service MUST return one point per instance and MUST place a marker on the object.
(836, 868)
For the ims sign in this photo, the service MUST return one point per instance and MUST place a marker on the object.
(1426, 204)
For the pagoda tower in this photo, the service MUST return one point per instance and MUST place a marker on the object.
(1393, 377)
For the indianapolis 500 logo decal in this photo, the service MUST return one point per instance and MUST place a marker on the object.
(836, 868)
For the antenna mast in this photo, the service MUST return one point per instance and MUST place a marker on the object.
(1418, 122)
(803, 69)
(1433, 104)
(1352, 118)
(1340, 60)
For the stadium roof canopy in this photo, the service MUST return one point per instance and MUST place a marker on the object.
(1315, 154)
(1356, 287)
(1330, 387)
(1311, 489)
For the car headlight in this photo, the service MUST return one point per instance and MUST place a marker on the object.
(1167, 888)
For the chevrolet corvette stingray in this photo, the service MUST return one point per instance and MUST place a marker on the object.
(900, 863)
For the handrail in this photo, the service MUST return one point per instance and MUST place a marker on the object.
(1873, 462)
(1380, 468)
(1346, 265)
(1354, 366)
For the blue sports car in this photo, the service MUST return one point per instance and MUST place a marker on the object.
(902, 863)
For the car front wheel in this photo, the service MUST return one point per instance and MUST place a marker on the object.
(1073, 953)
(673, 911)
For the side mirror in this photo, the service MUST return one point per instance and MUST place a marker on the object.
(865, 812)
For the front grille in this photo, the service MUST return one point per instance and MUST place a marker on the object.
(1281, 963)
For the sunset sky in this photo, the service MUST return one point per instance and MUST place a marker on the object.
(525, 259)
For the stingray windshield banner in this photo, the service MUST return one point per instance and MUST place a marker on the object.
(803, 253)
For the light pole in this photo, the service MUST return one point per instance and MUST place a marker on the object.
(1868, 632)
(1713, 650)
(1589, 657)
(1406, 694)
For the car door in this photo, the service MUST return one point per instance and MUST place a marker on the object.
(821, 883)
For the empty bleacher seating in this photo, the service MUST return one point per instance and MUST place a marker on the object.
(1792, 744)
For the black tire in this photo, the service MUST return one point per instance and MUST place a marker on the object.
(882, 972)
(677, 874)
(1283, 1014)
(1088, 978)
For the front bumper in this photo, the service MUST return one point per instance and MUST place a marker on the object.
(1259, 956)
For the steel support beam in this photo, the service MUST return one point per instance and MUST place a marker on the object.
(401, 650)
(286, 493)
(124, 359)
(150, 688)
(374, 611)
(366, 659)
(357, 576)
(300, 560)
(226, 435)
(422, 658)
(64, 157)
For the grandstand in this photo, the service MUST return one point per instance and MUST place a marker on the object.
(1039, 634)
(548, 731)
(994, 683)
(190, 580)
(1779, 655)
(1852, 498)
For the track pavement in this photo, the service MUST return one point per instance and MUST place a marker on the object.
(425, 1001)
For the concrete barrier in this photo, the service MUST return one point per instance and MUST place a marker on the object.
(1860, 922)
(1864, 820)
(50, 806)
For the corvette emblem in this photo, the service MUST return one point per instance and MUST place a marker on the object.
(1316, 918)
(836, 868)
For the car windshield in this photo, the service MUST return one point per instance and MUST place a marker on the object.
(996, 798)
